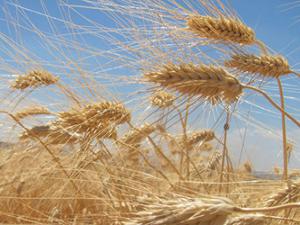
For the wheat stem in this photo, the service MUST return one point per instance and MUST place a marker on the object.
(284, 138)
(297, 74)
(273, 103)
(268, 209)
(225, 150)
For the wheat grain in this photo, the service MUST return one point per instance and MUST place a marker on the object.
(247, 166)
(34, 79)
(185, 211)
(289, 193)
(93, 115)
(107, 111)
(136, 136)
(162, 99)
(211, 83)
(202, 136)
(32, 111)
(264, 65)
(221, 29)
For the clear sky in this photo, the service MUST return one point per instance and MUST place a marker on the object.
(276, 23)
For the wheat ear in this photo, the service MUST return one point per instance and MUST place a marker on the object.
(162, 99)
(223, 29)
(264, 65)
(210, 82)
(32, 111)
(34, 79)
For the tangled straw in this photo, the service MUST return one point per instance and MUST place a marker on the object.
(54, 135)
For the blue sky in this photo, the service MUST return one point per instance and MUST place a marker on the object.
(275, 23)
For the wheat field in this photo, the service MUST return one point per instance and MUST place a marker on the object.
(139, 112)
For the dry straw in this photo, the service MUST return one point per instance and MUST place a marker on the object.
(34, 79)
(52, 135)
(210, 82)
(289, 193)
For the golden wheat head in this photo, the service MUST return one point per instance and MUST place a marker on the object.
(185, 212)
(264, 65)
(94, 118)
(221, 29)
(202, 136)
(162, 99)
(207, 81)
(34, 79)
(136, 136)
(32, 111)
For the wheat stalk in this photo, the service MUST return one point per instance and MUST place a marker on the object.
(273, 66)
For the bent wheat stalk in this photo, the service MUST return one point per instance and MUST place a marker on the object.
(273, 66)
(211, 83)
